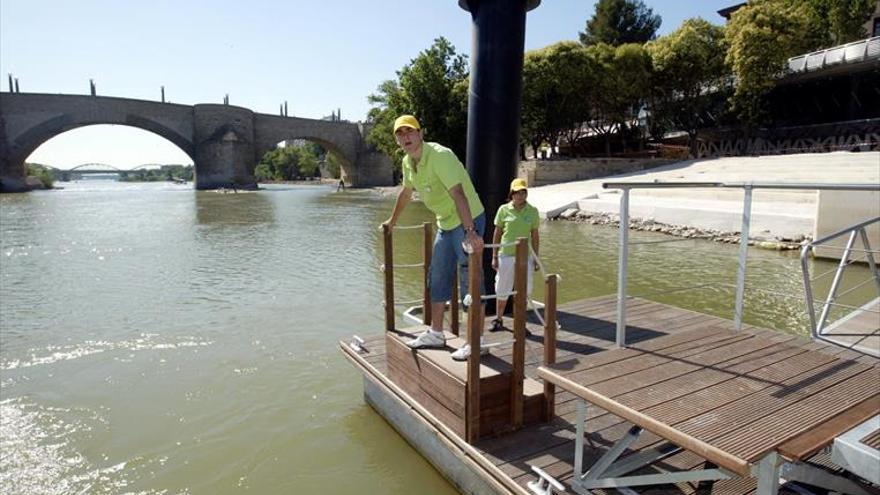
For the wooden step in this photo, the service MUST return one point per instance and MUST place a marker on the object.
(438, 382)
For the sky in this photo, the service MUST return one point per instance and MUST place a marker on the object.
(318, 56)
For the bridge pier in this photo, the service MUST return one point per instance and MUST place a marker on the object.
(224, 147)
(12, 174)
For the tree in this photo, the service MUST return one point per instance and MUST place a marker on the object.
(763, 34)
(433, 87)
(618, 94)
(688, 76)
(617, 22)
(557, 81)
(842, 21)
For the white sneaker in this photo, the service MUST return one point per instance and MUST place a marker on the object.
(428, 339)
(464, 352)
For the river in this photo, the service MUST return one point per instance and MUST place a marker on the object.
(155, 339)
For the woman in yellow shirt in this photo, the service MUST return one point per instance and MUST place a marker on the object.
(515, 219)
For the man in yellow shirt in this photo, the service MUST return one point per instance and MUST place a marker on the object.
(446, 189)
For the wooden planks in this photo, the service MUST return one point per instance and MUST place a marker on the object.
(769, 367)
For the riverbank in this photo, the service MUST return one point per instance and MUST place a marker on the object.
(778, 217)
(685, 231)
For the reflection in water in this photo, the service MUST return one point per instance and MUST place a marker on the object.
(228, 208)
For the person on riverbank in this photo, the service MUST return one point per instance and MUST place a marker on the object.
(445, 188)
(515, 219)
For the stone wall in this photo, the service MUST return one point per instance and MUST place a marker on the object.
(543, 172)
(837, 210)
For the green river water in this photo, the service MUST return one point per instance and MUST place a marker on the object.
(155, 339)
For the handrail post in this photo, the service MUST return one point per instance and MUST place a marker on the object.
(832, 292)
(389, 277)
(621, 268)
(519, 331)
(427, 247)
(808, 289)
(743, 255)
(549, 343)
(474, 327)
(869, 256)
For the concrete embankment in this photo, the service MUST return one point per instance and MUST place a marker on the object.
(778, 217)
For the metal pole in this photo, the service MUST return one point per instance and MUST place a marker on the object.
(17, 90)
(844, 260)
(621, 268)
(494, 100)
(743, 254)
(808, 289)
(870, 257)
(163, 94)
(579, 441)
(10, 83)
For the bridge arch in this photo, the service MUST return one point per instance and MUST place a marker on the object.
(54, 124)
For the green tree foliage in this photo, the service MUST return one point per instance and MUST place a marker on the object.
(620, 89)
(841, 21)
(556, 83)
(763, 34)
(163, 173)
(617, 22)
(689, 78)
(41, 172)
(334, 165)
(433, 87)
(290, 162)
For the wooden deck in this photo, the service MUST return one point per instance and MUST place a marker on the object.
(860, 330)
(588, 330)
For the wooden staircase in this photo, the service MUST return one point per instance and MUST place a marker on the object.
(438, 382)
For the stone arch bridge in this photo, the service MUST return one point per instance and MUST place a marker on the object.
(225, 142)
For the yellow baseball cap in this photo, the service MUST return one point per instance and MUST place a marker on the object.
(406, 121)
(518, 185)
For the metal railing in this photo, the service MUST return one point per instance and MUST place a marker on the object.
(747, 187)
(857, 51)
(847, 257)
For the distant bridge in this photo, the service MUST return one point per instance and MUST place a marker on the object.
(102, 168)
(225, 142)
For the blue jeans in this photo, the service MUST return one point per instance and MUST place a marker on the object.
(447, 254)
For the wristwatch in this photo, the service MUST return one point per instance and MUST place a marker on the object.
(469, 229)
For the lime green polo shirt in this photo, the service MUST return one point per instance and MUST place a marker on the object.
(516, 224)
(439, 170)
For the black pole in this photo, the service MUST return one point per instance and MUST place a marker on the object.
(163, 94)
(494, 101)
(10, 83)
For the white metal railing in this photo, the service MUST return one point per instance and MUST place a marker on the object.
(857, 51)
(817, 327)
(747, 187)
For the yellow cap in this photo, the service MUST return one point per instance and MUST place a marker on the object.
(518, 185)
(406, 121)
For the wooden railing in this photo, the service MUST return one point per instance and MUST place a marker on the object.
(476, 321)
